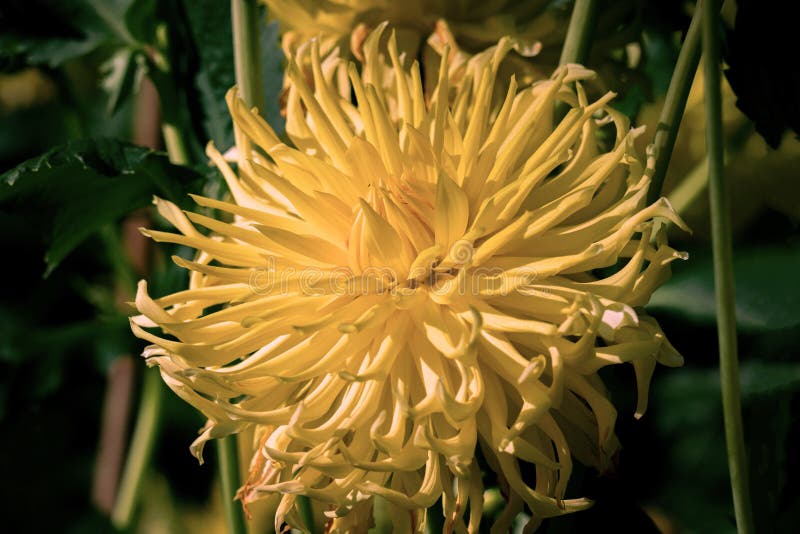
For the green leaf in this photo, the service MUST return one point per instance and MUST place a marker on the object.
(211, 29)
(210, 24)
(272, 61)
(123, 74)
(768, 451)
(767, 294)
(760, 70)
(51, 32)
(141, 20)
(688, 416)
(124, 70)
(77, 188)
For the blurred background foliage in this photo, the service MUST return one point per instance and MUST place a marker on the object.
(86, 76)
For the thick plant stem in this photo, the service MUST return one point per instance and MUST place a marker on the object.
(176, 147)
(579, 32)
(306, 513)
(171, 101)
(141, 449)
(675, 102)
(245, 17)
(229, 478)
(723, 272)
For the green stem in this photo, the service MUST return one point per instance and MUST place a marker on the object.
(675, 103)
(686, 193)
(141, 449)
(173, 139)
(245, 17)
(246, 58)
(229, 478)
(171, 99)
(579, 33)
(306, 512)
(380, 511)
(723, 272)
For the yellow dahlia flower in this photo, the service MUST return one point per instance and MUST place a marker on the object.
(344, 24)
(411, 281)
(536, 30)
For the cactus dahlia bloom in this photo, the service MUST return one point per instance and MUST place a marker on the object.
(535, 28)
(413, 280)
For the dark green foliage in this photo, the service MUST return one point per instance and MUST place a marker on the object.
(59, 334)
(50, 32)
(55, 350)
(766, 288)
(212, 35)
(689, 418)
(123, 74)
(211, 31)
(77, 188)
(761, 54)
